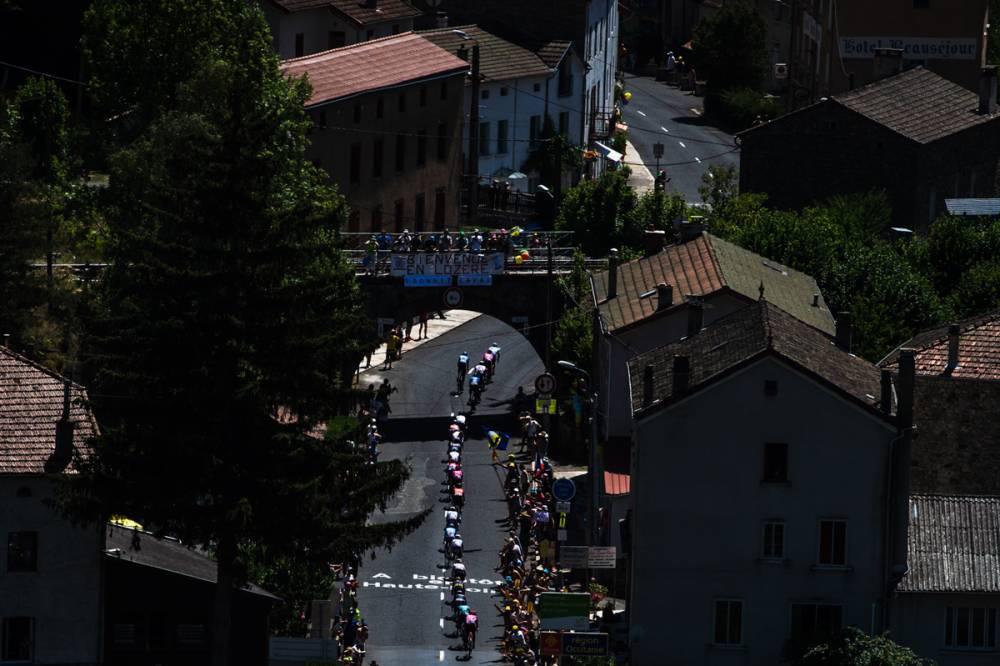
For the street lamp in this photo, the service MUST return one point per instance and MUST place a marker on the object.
(594, 463)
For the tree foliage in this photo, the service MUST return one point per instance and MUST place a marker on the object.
(599, 212)
(572, 339)
(730, 48)
(853, 647)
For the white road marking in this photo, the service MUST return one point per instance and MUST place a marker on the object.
(640, 113)
(442, 596)
(682, 144)
(441, 623)
(441, 655)
(695, 111)
(698, 160)
(664, 129)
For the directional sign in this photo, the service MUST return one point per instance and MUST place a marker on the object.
(564, 489)
(657, 150)
(562, 507)
(453, 296)
(546, 406)
(574, 557)
(564, 610)
(545, 384)
(426, 280)
(475, 280)
(577, 644)
(602, 557)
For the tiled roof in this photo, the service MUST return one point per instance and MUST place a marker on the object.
(918, 104)
(31, 402)
(751, 332)
(372, 65)
(499, 59)
(702, 266)
(554, 51)
(957, 447)
(617, 484)
(977, 207)
(954, 544)
(978, 349)
(358, 11)
(167, 555)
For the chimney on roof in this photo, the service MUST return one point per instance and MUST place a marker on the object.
(63, 452)
(682, 375)
(6, 340)
(647, 385)
(612, 274)
(885, 401)
(901, 460)
(690, 229)
(815, 300)
(988, 90)
(463, 52)
(954, 332)
(442, 19)
(696, 315)
(888, 62)
(844, 331)
(653, 241)
(664, 296)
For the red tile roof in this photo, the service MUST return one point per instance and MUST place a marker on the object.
(978, 349)
(31, 402)
(372, 65)
(616, 484)
(357, 10)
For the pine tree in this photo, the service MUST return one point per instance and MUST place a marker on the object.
(231, 327)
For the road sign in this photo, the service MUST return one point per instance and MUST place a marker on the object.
(475, 280)
(574, 557)
(546, 406)
(657, 150)
(564, 610)
(562, 507)
(426, 280)
(564, 489)
(550, 644)
(578, 644)
(560, 535)
(545, 383)
(602, 557)
(453, 296)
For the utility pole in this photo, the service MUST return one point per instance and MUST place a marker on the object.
(473, 173)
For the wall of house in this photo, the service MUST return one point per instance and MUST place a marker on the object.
(315, 26)
(918, 622)
(64, 595)
(700, 504)
(332, 147)
(600, 49)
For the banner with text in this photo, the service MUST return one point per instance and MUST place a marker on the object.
(447, 263)
(914, 48)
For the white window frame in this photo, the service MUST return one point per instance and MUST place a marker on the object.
(954, 610)
(765, 542)
(715, 617)
(819, 543)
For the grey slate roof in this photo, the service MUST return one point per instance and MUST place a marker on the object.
(954, 544)
(554, 51)
(917, 104)
(974, 207)
(499, 59)
(758, 329)
(356, 10)
(166, 555)
(701, 266)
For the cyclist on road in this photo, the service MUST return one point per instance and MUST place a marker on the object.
(463, 363)
(475, 388)
(469, 629)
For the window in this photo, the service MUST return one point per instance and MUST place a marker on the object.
(775, 462)
(502, 137)
(832, 543)
(444, 90)
(395, 28)
(400, 152)
(300, 44)
(423, 95)
(921, 4)
(439, 207)
(565, 79)
(22, 551)
(770, 387)
(191, 635)
(484, 138)
(970, 628)
(401, 103)
(485, 94)
(398, 212)
(321, 120)
(24, 491)
(564, 123)
(377, 218)
(773, 545)
(354, 221)
(335, 39)
(442, 142)
(357, 113)
(17, 639)
(536, 87)
(421, 148)
(355, 163)
(812, 623)
(728, 622)
(378, 148)
(418, 212)
(503, 91)
(379, 108)
(534, 128)
(369, 35)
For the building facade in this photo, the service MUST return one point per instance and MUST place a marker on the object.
(302, 28)
(387, 127)
(50, 570)
(759, 498)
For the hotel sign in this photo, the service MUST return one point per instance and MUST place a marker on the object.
(447, 263)
(914, 48)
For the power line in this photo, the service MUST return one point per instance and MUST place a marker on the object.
(45, 74)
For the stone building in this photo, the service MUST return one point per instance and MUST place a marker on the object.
(916, 135)
(387, 127)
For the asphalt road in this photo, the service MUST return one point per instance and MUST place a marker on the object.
(406, 612)
(664, 114)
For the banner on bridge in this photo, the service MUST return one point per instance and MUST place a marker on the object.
(447, 263)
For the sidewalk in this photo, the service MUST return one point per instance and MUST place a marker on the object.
(435, 328)
(641, 179)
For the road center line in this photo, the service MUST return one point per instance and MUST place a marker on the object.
(441, 655)
(682, 144)
(664, 129)
(640, 113)
(441, 623)
(698, 160)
